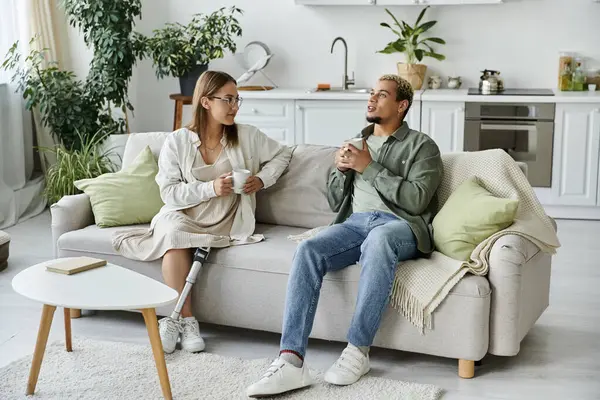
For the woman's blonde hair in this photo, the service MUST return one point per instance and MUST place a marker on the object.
(209, 83)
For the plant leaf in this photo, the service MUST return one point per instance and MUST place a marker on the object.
(421, 15)
(437, 56)
(389, 49)
(385, 24)
(394, 18)
(424, 27)
(419, 54)
(433, 39)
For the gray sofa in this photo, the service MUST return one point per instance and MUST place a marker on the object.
(245, 286)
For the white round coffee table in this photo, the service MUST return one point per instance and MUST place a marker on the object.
(105, 288)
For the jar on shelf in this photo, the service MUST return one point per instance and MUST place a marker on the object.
(579, 77)
(565, 71)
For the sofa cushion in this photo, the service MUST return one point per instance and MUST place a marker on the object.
(470, 215)
(138, 142)
(272, 256)
(299, 197)
(126, 197)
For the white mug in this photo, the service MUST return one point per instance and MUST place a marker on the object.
(239, 179)
(356, 142)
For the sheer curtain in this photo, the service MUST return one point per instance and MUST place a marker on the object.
(21, 186)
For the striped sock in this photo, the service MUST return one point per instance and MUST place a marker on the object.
(292, 357)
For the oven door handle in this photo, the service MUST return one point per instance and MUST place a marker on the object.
(499, 127)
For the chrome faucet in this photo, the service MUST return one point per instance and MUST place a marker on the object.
(345, 80)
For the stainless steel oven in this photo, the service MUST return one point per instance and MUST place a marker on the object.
(523, 130)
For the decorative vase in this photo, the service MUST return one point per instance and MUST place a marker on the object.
(413, 73)
(187, 82)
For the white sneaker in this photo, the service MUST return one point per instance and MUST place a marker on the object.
(281, 377)
(169, 333)
(349, 368)
(190, 335)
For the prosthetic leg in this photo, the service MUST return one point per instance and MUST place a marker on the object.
(200, 257)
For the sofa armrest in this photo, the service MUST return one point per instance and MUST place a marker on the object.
(68, 214)
(509, 258)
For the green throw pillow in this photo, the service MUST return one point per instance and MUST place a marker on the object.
(470, 215)
(127, 197)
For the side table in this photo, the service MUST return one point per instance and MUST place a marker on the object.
(180, 101)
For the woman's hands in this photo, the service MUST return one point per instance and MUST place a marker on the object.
(223, 185)
(253, 185)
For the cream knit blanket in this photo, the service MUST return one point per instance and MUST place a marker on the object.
(421, 285)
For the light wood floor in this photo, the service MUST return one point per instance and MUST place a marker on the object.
(559, 359)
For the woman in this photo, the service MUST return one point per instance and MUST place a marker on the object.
(201, 209)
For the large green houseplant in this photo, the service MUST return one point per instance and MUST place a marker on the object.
(79, 112)
(413, 46)
(72, 109)
(184, 51)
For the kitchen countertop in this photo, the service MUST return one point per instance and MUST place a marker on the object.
(424, 95)
(559, 97)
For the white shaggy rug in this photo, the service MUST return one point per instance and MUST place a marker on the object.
(111, 370)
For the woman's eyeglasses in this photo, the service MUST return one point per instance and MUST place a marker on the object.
(231, 101)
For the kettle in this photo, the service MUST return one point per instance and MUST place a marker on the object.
(490, 82)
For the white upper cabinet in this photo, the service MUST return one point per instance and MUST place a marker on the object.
(393, 2)
(336, 2)
(438, 2)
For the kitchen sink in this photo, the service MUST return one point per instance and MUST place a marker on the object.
(341, 90)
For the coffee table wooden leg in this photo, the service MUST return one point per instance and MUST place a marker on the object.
(157, 349)
(68, 342)
(75, 313)
(40, 346)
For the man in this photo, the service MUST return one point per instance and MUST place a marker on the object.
(385, 198)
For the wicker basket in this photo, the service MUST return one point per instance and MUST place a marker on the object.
(4, 244)
(413, 73)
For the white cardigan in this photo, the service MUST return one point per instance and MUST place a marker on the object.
(179, 189)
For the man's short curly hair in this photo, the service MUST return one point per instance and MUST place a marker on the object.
(404, 90)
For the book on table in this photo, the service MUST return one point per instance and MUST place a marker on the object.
(73, 265)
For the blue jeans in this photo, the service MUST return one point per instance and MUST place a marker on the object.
(378, 241)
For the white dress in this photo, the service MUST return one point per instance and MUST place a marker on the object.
(207, 224)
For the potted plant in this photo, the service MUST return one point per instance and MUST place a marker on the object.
(89, 161)
(79, 114)
(75, 109)
(184, 51)
(413, 46)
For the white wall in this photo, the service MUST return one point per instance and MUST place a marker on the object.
(520, 38)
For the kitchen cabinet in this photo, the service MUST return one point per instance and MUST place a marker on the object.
(393, 2)
(576, 155)
(321, 122)
(335, 2)
(438, 2)
(329, 122)
(444, 122)
(275, 118)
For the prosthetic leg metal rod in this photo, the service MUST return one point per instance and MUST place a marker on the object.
(200, 257)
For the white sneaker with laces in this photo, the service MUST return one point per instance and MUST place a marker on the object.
(190, 335)
(169, 330)
(349, 368)
(281, 377)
